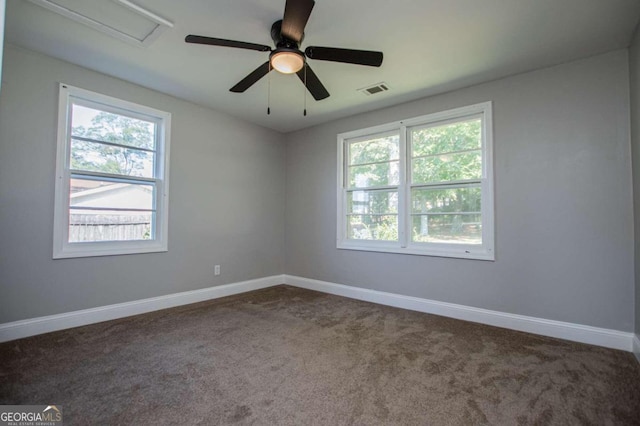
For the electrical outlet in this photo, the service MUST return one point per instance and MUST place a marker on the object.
(216, 270)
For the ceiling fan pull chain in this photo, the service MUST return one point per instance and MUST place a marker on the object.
(305, 89)
(269, 90)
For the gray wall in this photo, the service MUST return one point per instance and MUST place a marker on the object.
(634, 79)
(563, 199)
(227, 189)
(564, 240)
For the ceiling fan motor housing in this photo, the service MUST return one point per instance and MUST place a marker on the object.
(281, 41)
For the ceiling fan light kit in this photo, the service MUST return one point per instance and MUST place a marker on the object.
(287, 34)
(287, 61)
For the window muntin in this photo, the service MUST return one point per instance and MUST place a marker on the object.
(111, 186)
(92, 156)
(432, 194)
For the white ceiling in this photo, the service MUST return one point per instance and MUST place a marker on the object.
(429, 46)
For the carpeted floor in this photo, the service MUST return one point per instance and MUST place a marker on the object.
(289, 356)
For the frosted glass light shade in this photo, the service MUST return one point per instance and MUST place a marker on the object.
(287, 62)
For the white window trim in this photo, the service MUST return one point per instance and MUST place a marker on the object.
(485, 251)
(61, 247)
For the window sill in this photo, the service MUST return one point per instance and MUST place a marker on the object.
(108, 249)
(453, 251)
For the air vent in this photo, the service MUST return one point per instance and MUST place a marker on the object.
(375, 89)
(121, 19)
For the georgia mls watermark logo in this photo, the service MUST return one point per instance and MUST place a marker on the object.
(30, 415)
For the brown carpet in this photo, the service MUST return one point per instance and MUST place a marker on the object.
(289, 356)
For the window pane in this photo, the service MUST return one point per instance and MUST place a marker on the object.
(376, 202)
(447, 228)
(372, 227)
(447, 167)
(459, 136)
(92, 226)
(115, 128)
(374, 150)
(97, 157)
(114, 195)
(466, 199)
(382, 174)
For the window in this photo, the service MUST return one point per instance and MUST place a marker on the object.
(419, 186)
(111, 176)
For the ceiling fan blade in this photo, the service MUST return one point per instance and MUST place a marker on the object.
(349, 56)
(226, 43)
(314, 86)
(252, 78)
(296, 15)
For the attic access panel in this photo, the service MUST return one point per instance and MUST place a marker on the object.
(121, 19)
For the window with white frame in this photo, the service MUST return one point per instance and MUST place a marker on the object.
(111, 191)
(419, 186)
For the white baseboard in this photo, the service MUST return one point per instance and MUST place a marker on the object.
(30, 327)
(563, 330)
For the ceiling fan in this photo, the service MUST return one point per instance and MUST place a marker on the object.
(287, 58)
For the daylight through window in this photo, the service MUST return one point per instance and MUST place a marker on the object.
(420, 186)
(111, 192)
